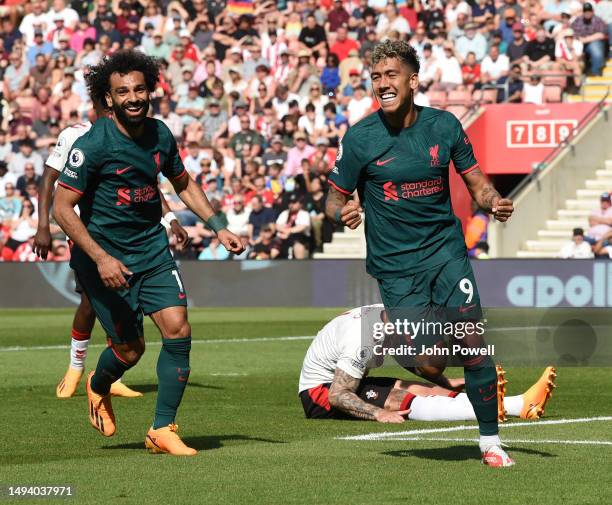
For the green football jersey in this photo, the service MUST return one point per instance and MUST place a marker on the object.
(403, 182)
(120, 204)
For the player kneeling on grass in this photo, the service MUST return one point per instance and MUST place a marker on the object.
(334, 382)
(121, 252)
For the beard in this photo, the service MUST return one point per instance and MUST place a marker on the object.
(126, 119)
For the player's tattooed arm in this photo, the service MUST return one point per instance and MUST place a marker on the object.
(486, 196)
(341, 210)
(342, 396)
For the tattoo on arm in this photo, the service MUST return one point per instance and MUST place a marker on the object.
(487, 195)
(335, 202)
(342, 396)
(481, 189)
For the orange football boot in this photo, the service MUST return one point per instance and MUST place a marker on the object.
(501, 393)
(166, 440)
(118, 388)
(69, 383)
(537, 396)
(101, 414)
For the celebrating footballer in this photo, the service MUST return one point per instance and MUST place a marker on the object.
(121, 253)
(398, 160)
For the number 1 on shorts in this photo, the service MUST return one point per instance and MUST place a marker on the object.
(178, 280)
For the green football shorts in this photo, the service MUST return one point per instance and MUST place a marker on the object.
(449, 289)
(443, 299)
(121, 312)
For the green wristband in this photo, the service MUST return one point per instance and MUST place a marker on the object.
(216, 223)
(338, 216)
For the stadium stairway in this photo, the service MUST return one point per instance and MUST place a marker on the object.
(595, 88)
(575, 214)
(349, 244)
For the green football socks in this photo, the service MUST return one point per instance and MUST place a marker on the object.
(172, 375)
(481, 388)
(110, 368)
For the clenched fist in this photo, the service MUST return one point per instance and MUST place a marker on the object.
(350, 214)
(502, 209)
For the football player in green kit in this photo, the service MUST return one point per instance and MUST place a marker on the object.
(398, 160)
(121, 250)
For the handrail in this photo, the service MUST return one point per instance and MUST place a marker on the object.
(598, 107)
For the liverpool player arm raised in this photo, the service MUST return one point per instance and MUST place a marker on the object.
(112, 272)
(486, 196)
(342, 396)
(192, 195)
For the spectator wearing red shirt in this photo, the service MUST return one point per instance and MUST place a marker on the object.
(324, 157)
(470, 70)
(343, 45)
(59, 31)
(191, 50)
(410, 11)
(337, 17)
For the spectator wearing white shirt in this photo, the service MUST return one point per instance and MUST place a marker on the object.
(448, 72)
(59, 10)
(533, 91)
(471, 42)
(392, 21)
(26, 155)
(600, 220)
(35, 20)
(577, 248)
(238, 216)
(428, 67)
(359, 105)
(6, 177)
(494, 67)
(293, 229)
(171, 119)
(193, 158)
(568, 52)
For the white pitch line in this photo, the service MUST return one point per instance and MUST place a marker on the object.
(513, 441)
(463, 427)
(19, 348)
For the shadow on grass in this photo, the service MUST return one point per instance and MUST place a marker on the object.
(202, 443)
(152, 388)
(458, 453)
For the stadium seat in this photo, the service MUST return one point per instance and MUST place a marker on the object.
(552, 94)
(485, 96)
(437, 99)
(457, 110)
(462, 98)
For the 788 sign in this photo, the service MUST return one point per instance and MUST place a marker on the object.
(538, 132)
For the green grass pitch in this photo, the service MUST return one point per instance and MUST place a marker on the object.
(242, 412)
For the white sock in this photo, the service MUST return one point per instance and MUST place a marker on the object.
(78, 353)
(487, 441)
(514, 405)
(442, 408)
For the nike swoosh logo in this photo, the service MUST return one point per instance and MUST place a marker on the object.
(465, 309)
(487, 398)
(182, 296)
(123, 170)
(380, 163)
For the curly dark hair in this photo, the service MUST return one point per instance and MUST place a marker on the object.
(122, 62)
(399, 49)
